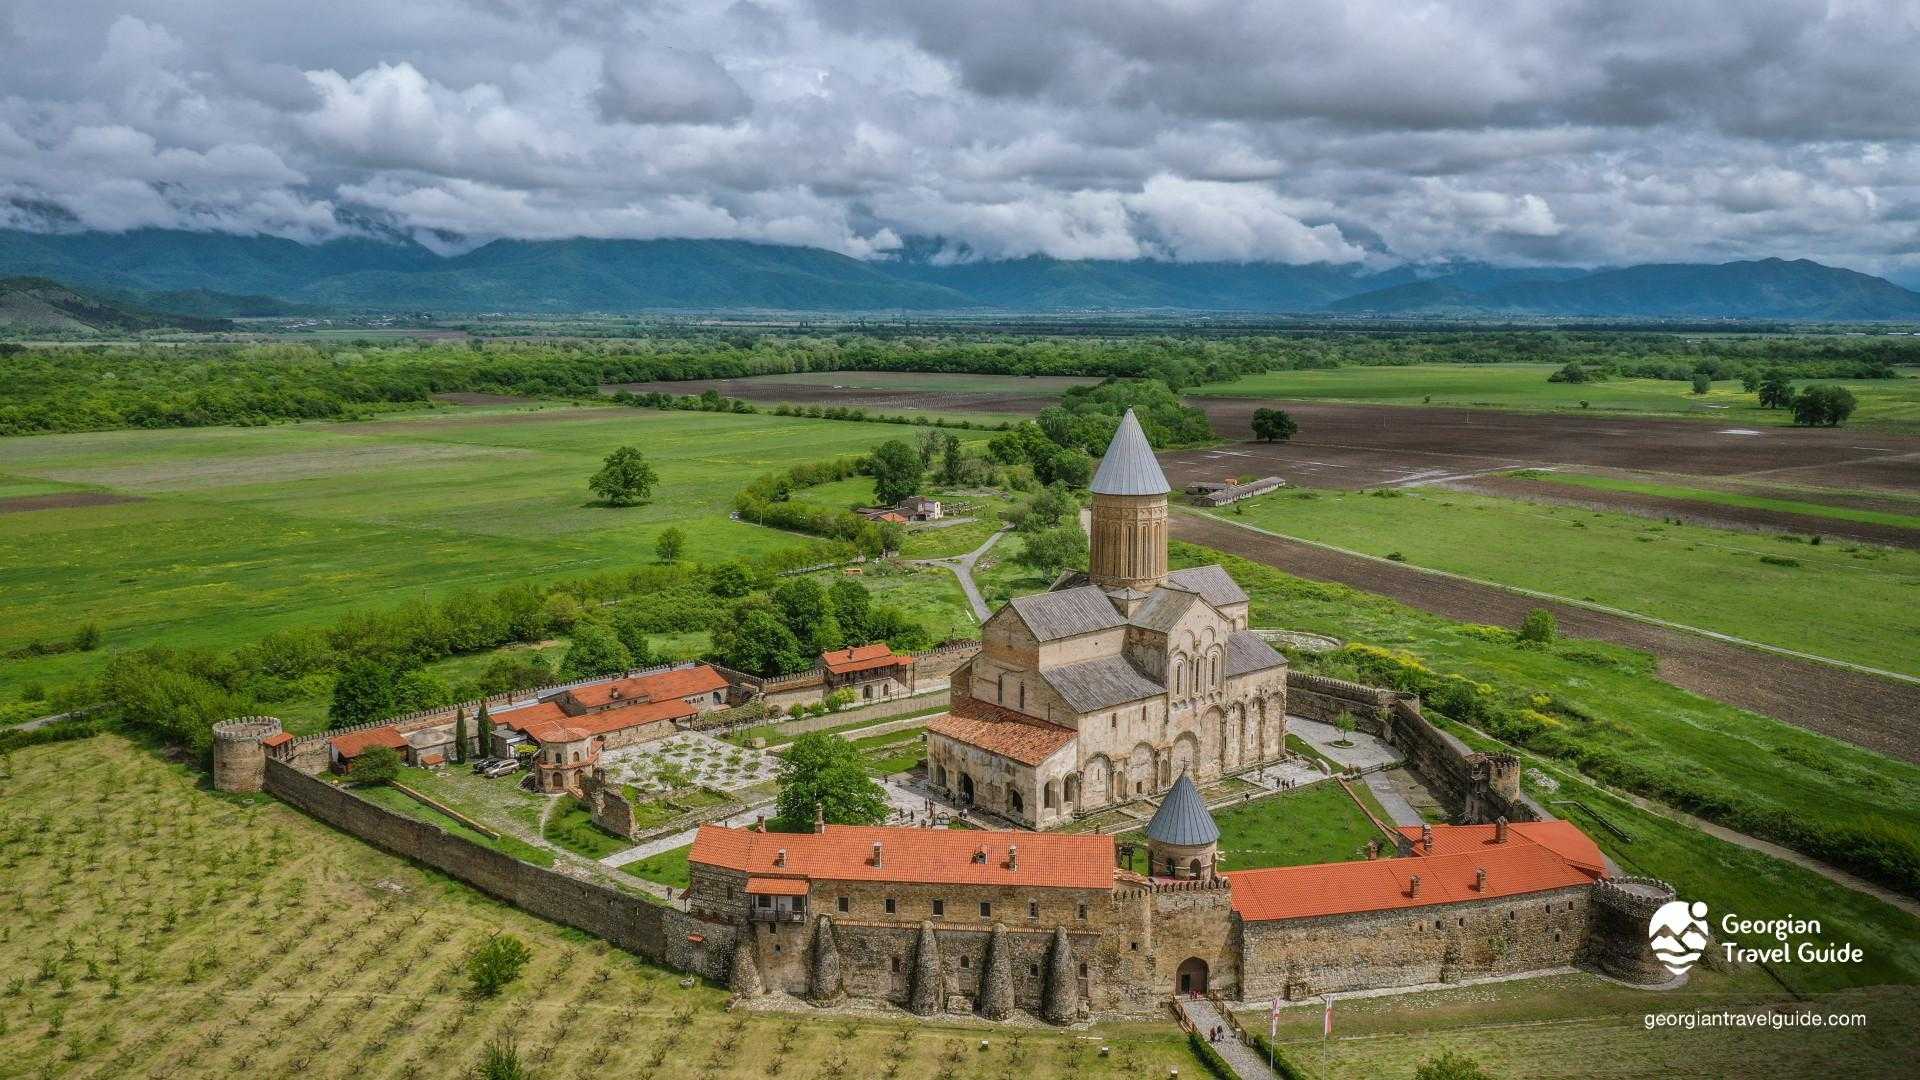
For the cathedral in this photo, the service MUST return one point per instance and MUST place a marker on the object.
(1115, 682)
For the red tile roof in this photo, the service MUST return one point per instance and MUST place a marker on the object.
(547, 722)
(678, 683)
(863, 658)
(1534, 859)
(278, 738)
(1028, 743)
(919, 856)
(355, 743)
(773, 886)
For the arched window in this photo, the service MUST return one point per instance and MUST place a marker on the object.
(1000, 689)
(1049, 796)
(1014, 800)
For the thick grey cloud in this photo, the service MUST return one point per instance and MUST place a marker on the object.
(1594, 131)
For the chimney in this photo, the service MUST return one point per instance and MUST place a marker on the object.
(1500, 830)
(1013, 856)
(759, 823)
(876, 854)
(780, 857)
(1373, 849)
(1413, 886)
(819, 818)
(1426, 839)
(1480, 880)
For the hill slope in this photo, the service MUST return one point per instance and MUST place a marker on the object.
(31, 305)
(1759, 289)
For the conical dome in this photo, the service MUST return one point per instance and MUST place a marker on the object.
(1129, 467)
(1182, 819)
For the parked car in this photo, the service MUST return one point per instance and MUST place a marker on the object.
(504, 768)
(485, 763)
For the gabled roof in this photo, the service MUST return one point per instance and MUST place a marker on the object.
(1247, 652)
(278, 738)
(1163, 608)
(1092, 685)
(547, 722)
(1128, 467)
(1067, 613)
(675, 683)
(863, 658)
(355, 743)
(909, 855)
(1527, 863)
(1213, 583)
(1018, 740)
(1182, 818)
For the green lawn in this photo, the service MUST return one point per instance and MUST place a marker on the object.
(1725, 498)
(1316, 824)
(1614, 717)
(243, 530)
(930, 594)
(999, 578)
(1718, 579)
(571, 826)
(666, 868)
(400, 802)
(1891, 403)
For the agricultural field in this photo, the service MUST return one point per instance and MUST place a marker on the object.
(981, 399)
(1617, 720)
(214, 536)
(1886, 509)
(1579, 1025)
(1892, 404)
(156, 929)
(1777, 590)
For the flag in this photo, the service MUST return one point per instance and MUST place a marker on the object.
(1326, 1020)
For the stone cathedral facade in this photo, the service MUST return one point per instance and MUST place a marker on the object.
(1113, 683)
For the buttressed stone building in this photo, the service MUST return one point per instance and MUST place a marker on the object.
(1115, 682)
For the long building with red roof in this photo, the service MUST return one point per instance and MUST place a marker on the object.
(912, 915)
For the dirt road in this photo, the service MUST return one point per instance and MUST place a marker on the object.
(1879, 714)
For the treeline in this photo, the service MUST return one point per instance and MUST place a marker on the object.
(100, 387)
(374, 663)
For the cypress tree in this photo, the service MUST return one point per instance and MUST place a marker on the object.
(460, 735)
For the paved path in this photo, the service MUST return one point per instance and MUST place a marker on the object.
(1871, 710)
(962, 568)
(1366, 752)
(1205, 1017)
(1395, 804)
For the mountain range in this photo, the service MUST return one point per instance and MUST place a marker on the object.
(214, 275)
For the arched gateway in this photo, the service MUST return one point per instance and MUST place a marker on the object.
(1191, 978)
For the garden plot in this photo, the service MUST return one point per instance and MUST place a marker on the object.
(688, 759)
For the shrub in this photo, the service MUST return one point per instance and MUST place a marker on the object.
(1539, 627)
(494, 963)
(1450, 1066)
(1779, 560)
(375, 765)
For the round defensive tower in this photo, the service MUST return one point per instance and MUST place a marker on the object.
(239, 761)
(1182, 839)
(1618, 941)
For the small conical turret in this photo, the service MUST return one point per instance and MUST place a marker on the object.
(1182, 839)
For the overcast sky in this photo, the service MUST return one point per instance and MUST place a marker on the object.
(1517, 131)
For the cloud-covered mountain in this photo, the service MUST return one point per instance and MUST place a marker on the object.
(1758, 289)
(219, 274)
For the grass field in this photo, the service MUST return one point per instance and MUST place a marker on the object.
(238, 531)
(1578, 1025)
(1315, 824)
(1726, 498)
(1614, 714)
(667, 868)
(154, 929)
(1776, 590)
(1887, 403)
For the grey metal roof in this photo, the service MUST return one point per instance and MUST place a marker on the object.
(1092, 685)
(1129, 468)
(1163, 608)
(1213, 583)
(1182, 818)
(1069, 612)
(1246, 653)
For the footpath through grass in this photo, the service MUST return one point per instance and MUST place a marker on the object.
(1608, 714)
(1844, 601)
(156, 929)
(238, 531)
(1891, 404)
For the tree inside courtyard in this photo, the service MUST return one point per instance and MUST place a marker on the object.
(825, 772)
(376, 765)
(624, 478)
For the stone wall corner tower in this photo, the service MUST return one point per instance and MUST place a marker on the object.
(239, 759)
(1129, 541)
